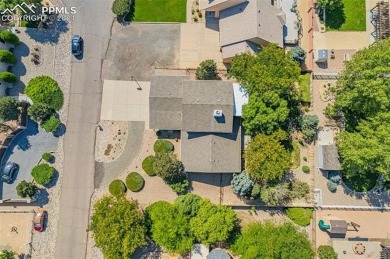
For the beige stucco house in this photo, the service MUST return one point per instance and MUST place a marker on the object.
(244, 25)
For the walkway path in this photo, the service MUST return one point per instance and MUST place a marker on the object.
(93, 22)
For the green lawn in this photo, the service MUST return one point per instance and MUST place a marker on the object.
(304, 87)
(352, 17)
(160, 11)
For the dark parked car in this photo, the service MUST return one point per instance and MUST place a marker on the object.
(77, 45)
(8, 171)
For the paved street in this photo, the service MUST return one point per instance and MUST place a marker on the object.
(93, 22)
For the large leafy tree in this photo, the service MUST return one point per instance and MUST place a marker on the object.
(118, 227)
(207, 70)
(326, 252)
(188, 204)
(364, 87)
(120, 7)
(366, 150)
(266, 159)
(271, 69)
(213, 223)
(267, 240)
(329, 4)
(169, 227)
(264, 113)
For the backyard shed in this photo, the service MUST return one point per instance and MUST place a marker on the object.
(321, 56)
(218, 253)
(338, 227)
(328, 158)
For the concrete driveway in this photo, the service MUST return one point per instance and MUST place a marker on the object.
(26, 149)
(136, 49)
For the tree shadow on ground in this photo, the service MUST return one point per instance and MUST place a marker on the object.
(41, 198)
(151, 250)
(60, 131)
(335, 18)
(53, 180)
(48, 35)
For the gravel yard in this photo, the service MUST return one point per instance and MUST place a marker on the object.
(110, 140)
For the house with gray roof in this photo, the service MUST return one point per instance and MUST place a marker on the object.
(244, 25)
(204, 113)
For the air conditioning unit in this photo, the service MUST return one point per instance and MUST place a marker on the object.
(218, 113)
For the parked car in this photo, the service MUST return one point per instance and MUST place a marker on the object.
(8, 171)
(39, 220)
(77, 45)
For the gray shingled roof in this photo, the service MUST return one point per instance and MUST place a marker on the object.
(230, 51)
(218, 253)
(212, 152)
(338, 227)
(165, 102)
(255, 20)
(328, 158)
(201, 99)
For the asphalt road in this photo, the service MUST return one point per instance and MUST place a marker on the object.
(93, 22)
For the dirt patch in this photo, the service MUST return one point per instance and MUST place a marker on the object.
(111, 138)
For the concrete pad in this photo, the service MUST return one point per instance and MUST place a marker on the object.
(16, 241)
(344, 249)
(125, 101)
(198, 43)
(332, 40)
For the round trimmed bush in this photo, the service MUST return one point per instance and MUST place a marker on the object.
(331, 186)
(6, 56)
(300, 216)
(335, 177)
(9, 37)
(147, 165)
(117, 188)
(51, 124)
(326, 252)
(162, 145)
(47, 156)
(134, 182)
(8, 77)
(306, 169)
(44, 89)
(42, 174)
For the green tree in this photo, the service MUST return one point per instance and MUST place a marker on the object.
(26, 189)
(275, 195)
(298, 189)
(8, 108)
(42, 174)
(366, 151)
(265, 113)
(169, 228)
(267, 240)
(329, 4)
(309, 126)
(188, 204)
(363, 88)
(266, 159)
(44, 89)
(242, 184)
(213, 223)
(207, 70)
(120, 7)
(8, 77)
(51, 124)
(271, 69)
(40, 112)
(298, 54)
(7, 254)
(9, 37)
(7, 57)
(300, 216)
(118, 227)
(326, 252)
(171, 171)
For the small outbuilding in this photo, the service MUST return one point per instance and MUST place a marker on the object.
(218, 253)
(328, 158)
(321, 56)
(338, 227)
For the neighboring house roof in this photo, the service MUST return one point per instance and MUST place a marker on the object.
(216, 5)
(200, 100)
(199, 251)
(328, 158)
(165, 102)
(240, 98)
(254, 20)
(212, 152)
(338, 227)
(218, 253)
